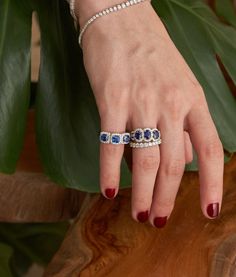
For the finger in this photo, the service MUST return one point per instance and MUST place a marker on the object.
(172, 164)
(110, 158)
(144, 171)
(210, 154)
(188, 148)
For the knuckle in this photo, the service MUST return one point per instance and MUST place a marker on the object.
(139, 201)
(213, 149)
(166, 204)
(113, 101)
(197, 86)
(110, 179)
(146, 163)
(175, 111)
(113, 151)
(212, 188)
(173, 101)
(174, 168)
(140, 97)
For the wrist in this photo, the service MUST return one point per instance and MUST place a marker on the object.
(84, 9)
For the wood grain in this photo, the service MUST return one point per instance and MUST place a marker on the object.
(106, 241)
(28, 195)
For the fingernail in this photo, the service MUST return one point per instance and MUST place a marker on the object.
(213, 210)
(160, 222)
(142, 216)
(110, 193)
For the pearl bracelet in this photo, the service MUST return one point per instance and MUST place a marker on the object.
(106, 11)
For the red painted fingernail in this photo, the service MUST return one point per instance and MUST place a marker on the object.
(160, 222)
(213, 210)
(142, 216)
(110, 193)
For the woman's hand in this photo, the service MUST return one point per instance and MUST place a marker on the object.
(140, 80)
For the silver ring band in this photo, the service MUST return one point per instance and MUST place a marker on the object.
(144, 144)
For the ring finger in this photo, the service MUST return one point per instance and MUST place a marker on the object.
(172, 164)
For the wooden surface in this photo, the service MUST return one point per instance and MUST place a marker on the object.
(106, 241)
(28, 195)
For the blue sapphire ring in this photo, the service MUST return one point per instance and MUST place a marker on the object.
(114, 138)
(145, 137)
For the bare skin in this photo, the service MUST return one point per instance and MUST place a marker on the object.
(140, 80)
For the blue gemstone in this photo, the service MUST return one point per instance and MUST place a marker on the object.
(138, 135)
(115, 139)
(147, 134)
(104, 137)
(126, 138)
(156, 134)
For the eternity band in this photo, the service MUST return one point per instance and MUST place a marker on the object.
(144, 144)
(106, 11)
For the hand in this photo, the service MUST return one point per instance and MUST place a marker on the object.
(140, 80)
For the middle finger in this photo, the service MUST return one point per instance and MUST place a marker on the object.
(144, 171)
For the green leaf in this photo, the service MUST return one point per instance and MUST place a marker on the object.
(5, 257)
(31, 243)
(226, 9)
(199, 36)
(15, 37)
(67, 116)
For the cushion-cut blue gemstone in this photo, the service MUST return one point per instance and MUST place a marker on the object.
(126, 138)
(156, 134)
(147, 134)
(115, 139)
(138, 135)
(104, 137)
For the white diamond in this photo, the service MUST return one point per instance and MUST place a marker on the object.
(123, 5)
(107, 10)
(127, 4)
(100, 14)
(119, 7)
(115, 8)
(111, 9)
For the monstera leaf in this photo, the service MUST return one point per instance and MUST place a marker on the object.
(200, 36)
(21, 245)
(15, 36)
(226, 10)
(5, 256)
(67, 117)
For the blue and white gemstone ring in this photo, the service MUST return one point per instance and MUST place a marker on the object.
(114, 138)
(145, 137)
